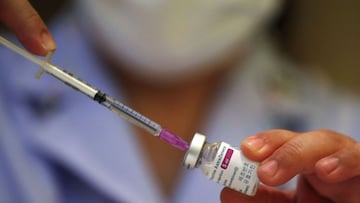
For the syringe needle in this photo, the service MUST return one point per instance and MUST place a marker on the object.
(95, 94)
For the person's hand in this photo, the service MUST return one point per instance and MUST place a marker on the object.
(29, 28)
(328, 164)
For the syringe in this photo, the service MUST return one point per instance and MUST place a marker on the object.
(115, 106)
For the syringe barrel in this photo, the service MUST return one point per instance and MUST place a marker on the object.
(115, 106)
(70, 80)
(128, 113)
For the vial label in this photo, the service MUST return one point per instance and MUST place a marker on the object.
(232, 169)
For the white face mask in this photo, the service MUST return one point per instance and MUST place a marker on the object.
(171, 37)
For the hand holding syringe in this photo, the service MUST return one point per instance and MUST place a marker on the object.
(95, 94)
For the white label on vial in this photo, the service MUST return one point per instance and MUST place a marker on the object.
(232, 169)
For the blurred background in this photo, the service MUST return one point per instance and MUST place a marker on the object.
(322, 35)
(325, 35)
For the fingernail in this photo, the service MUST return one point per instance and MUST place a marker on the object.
(330, 164)
(270, 168)
(47, 41)
(255, 143)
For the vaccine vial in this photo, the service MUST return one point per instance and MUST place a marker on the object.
(223, 164)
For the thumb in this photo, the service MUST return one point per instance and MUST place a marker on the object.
(29, 28)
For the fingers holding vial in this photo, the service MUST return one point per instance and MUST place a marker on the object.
(327, 162)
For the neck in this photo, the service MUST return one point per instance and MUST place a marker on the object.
(179, 108)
